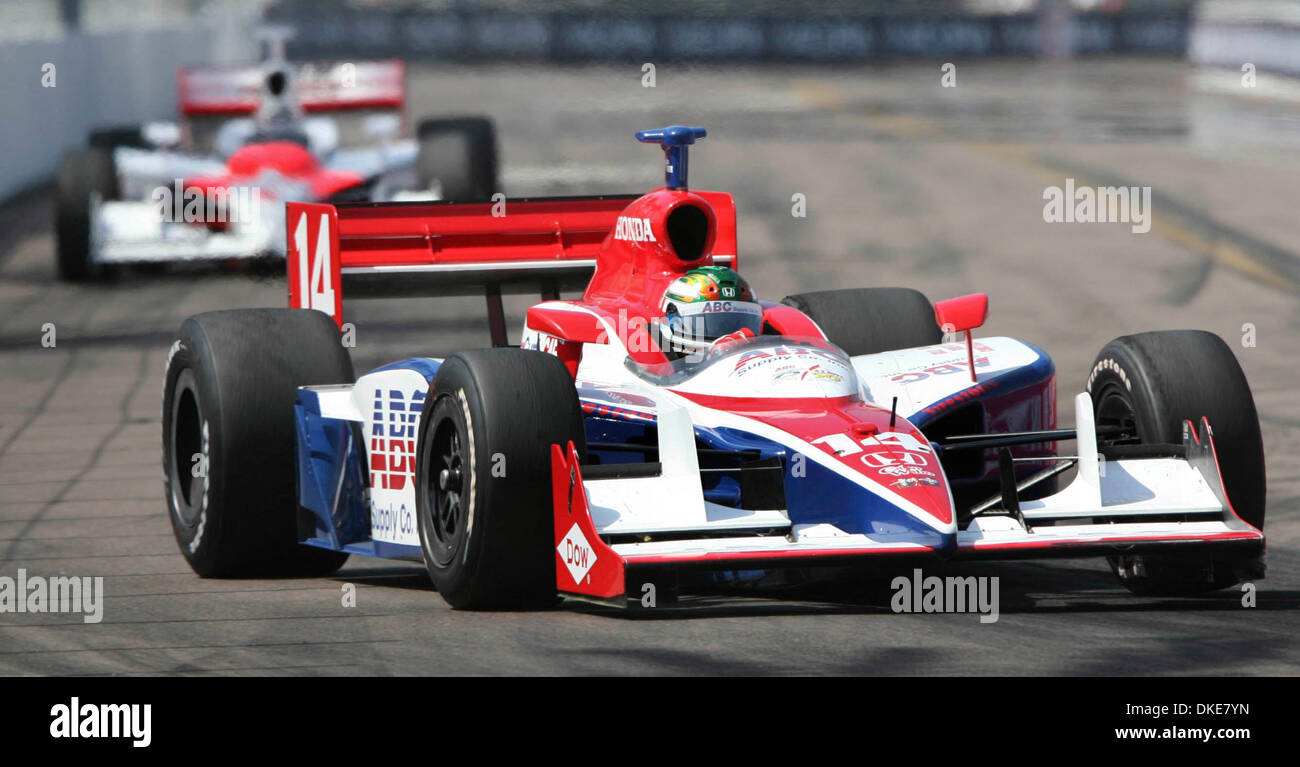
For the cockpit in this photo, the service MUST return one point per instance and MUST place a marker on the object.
(758, 366)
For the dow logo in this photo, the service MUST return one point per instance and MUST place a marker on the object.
(392, 438)
(576, 553)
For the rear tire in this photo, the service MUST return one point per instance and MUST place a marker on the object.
(114, 136)
(85, 173)
(483, 475)
(1146, 385)
(460, 156)
(871, 320)
(232, 378)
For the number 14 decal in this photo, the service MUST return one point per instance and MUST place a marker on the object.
(315, 275)
(842, 444)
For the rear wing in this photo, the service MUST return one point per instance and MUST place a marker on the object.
(402, 249)
(233, 91)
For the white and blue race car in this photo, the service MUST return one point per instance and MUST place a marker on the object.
(588, 461)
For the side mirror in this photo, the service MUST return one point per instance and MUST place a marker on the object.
(963, 313)
(161, 134)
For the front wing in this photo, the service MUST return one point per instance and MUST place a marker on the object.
(1134, 506)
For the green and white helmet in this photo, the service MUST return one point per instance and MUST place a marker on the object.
(704, 305)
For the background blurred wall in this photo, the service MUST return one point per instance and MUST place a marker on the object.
(102, 75)
(1265, 33)
(730, 30)
(115, 60)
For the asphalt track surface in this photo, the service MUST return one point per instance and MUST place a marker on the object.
(906, 183)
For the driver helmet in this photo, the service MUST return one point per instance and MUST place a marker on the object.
(279, 105)
(704, 305)
(278, 117)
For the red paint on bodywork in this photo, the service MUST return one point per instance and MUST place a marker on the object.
(880, 453)
(962, 313)
(569, 325)
(632, 275)
(569, 508)
(789, 321)
(286, 158)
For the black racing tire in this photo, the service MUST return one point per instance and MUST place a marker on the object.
(1144, 386)
(485, 525)
(232, 377)
(83, 174)
(460, 155)
(113, 136)
(871, 320)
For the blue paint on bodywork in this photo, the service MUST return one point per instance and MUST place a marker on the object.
(331, 482)
(332, 477)
(676, 141)
(1036, 372)
(815, 494)
(823, 496)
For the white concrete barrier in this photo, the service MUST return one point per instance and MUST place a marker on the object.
(119, 77)
(1229, 34)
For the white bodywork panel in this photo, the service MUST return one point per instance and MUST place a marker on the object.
(637, 505)
(800, 540)
(134, 232)
(922, 376)
(132, 229)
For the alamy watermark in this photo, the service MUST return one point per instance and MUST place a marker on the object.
(952, 594)
(179, 203)
(1104, 204)
(57, 594)
(75, 719)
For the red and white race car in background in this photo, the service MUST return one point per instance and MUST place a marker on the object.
(589, 463)
(213, 187)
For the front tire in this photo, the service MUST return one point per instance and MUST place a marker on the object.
(114, 136)
(483, 475)
(86, 175)
(1143, 387)
(228, 438)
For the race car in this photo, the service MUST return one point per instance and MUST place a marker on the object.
(670, 424)
(213, 188)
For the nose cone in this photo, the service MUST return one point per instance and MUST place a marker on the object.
(895, 462)
(927, 494)
(287, 157)
(895, 475)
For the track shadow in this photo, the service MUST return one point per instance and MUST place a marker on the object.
(412, 578)
(1023, 588)
(28, 214)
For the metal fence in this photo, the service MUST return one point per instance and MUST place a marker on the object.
(834, 32)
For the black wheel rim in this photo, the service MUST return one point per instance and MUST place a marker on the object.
(1116, 417)
(187, 484)
(447, 477)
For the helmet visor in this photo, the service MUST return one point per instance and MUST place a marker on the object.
(711, 321)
